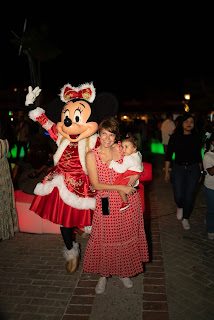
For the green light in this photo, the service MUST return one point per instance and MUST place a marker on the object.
(12, 165)
(14, 152)
(157, 147)
(22, 152)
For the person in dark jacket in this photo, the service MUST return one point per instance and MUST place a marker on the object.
(187, 169)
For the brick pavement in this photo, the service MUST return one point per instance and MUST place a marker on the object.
(177, 283)
(188, 255)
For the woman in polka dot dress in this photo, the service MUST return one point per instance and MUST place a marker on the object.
(117, 245)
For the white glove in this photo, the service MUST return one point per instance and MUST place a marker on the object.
(32, 94)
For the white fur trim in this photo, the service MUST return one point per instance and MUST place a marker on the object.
(33, 114)
(93, 140)
(80, 87)
(82, 149)
(59, 139)
(61, 149)
(68, 197)
(71, 254)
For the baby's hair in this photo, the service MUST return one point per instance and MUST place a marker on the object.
(131, 138)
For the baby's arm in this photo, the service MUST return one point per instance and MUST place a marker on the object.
(121, 167)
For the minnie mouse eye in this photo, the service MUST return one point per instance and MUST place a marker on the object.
(66, 114)
(77, 116)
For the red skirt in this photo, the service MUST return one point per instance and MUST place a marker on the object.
(54, 209)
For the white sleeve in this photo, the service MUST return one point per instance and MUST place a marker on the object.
(121, 167)
(207, 163)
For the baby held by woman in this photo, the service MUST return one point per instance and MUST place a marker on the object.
(132, 165)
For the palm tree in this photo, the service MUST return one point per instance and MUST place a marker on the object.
(38, 45)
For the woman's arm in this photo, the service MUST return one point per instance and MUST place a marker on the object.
(170, 148)
(97, 185)
(168, 156)
(167, 174)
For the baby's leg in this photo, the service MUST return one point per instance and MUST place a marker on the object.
(123, 196)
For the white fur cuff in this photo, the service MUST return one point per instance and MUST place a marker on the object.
(73, 253)
(33, 114)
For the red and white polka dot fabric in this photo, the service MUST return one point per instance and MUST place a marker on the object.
(118, 244)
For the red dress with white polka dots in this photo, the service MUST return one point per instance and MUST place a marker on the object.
(117, 245)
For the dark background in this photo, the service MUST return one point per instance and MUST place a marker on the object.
(136, 52)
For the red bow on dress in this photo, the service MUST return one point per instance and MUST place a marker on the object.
(81, 94)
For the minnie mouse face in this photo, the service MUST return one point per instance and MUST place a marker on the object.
(74, 118)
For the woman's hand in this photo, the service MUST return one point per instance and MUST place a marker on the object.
(201, 178)
(128, 190)
(167, 176)
(132, 180)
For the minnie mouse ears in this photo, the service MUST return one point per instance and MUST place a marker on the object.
(85, 91)
(105, 105)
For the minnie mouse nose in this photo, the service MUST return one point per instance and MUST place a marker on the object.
(67, 122)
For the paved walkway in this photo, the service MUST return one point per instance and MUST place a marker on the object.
(188, 256)
(177, 284)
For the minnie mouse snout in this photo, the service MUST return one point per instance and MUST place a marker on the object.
(67, 121)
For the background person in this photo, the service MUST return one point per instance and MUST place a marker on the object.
(187, 169)
(8, 214)
(208, 162)
(167, 129)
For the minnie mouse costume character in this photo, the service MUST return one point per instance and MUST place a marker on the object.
(65, 196)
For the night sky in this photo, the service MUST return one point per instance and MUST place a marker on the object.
(127, 55)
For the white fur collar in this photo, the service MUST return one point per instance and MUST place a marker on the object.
(83, 146)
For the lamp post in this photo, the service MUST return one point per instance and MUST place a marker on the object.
(187, 98)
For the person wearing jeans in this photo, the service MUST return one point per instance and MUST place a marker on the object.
(184, 179)
(208, 162)
(187, 169)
